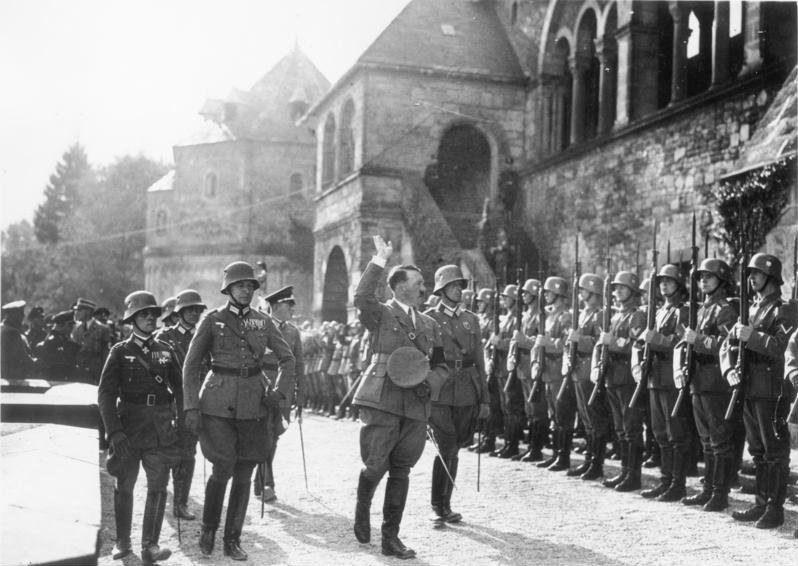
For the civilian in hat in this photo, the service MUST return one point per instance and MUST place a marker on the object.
(58, 353)
(15, 355)
(407, 369)
(94, 339)
(37, 329)
(281, 306)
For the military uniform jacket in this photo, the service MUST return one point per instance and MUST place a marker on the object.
(558, 322)
(461, 342)
(57, 357)
(94, 338)
(589, 328)
(625, 326)
(791, 371)
(236, 340)
(388, 323)
(764, 350)
(271, 363)
(137, 369)
(179, 337)
(715, 319)
(14, 353)
(529, 329)
(669, 317)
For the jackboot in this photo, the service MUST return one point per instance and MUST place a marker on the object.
(392, 511)
(123, 513)
(676, 489)
(181, 476)
(537, 439)
(450, 516)
(234, 521)
(707, 486)
(655, 454)
(720, 485)
(589, 449)
(365, 493)
(151, 528)
(632, 480)
(755, 512)
(623, 448)
(665, 474)
(563, 461)
(438, 492)
(596, 469)
(555, 449)
(774, 510)
(488, 445)
(211, 514)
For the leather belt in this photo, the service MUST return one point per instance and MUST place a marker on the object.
(620, 357)
(459, 364)
(148, 399)
(270, 367)
(243, 371)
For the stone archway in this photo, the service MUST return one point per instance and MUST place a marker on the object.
(463, 180)
(336, 287)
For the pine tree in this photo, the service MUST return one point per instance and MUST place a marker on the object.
(61, 194)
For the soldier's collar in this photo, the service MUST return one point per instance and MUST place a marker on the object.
(238, 311)
(140, 340)
(183, 329)
(449, 311)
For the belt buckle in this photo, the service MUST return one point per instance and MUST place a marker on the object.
(458, 364)
(150, 399)
(243, 372)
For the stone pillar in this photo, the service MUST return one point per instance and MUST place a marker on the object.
(681, 32)
(753, 38)
(607, 53)
(720, 43)
(637, 72)
(579, 65)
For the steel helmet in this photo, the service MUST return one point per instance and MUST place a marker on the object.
(532, 286)
(591, 282)
(485, 294)
(188, 298)
(627, 279)
(510, 291)
(768, 264)
(168, 306)
(468, 294)
(716, 267)
(645, 285)
(138, 301)
(556, 285)
(238, 271)
(673, 272)
(448, 274)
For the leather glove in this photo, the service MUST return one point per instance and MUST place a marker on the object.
(732, 378)
(120, 445)
(272, 399)
(637, 372)
(192, 418)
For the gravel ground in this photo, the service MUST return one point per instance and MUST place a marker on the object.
(521, 516)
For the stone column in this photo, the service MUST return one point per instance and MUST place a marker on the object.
(607, 53)
(681, 32)
(753, 38)
(720, 43)
(578, 64)
(636, 94)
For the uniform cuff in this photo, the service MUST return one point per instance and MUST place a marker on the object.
(378, 261)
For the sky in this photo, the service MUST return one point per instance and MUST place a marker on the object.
(128, 77)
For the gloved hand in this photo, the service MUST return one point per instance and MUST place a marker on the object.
(272, 399)
(637, 372)
(192, 418)
(733, 378)
(120, 445)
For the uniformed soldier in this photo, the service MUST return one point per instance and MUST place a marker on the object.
(711, 393)
(595, 417)
(187, 309)
(281, 305)
(16, 359)
(407, 369)
(94, 339)
(672, 433)
(495, 422)
(37, 329)
(136, 402)
(464, 397)
(791, 379)
(651, 453)
(547, 362)
(626, 325)
(58, 353)
(235, 400)
(765, 339)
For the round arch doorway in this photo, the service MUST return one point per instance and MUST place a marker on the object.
(336, 287)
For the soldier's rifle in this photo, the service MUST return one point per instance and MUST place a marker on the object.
(688, 361)
(648, 354)
(515, 354)
(736, 347)
(538, 359)
(606, 319)
(573, 347)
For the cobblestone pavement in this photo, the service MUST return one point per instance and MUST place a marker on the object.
(521, 516)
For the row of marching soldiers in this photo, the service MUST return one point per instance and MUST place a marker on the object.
(527, 368)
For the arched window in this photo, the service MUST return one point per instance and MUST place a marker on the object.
(347, 153)
(585, 71)
(295, 186)
(211, 182)
(160, 222)
(694, 41)
(328, 153)
(699, 48)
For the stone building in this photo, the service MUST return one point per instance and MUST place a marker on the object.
(241, 188)
(488, 132)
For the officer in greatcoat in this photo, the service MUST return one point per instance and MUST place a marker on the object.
(58, 353)
(230, 406)
(94, 339)
(16, 359)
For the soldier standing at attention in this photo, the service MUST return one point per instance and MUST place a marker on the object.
(495, 421)
(711, 393)
(281, 304)
(230, 408)
(407, 369)
(136, 402)
(188, 308)
(15, 354)
(672, 433)
(464, 397)
(626, 325)
(58, 353)
(765, 340)
(94, 339)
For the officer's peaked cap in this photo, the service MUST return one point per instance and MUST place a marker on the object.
(283, 295)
